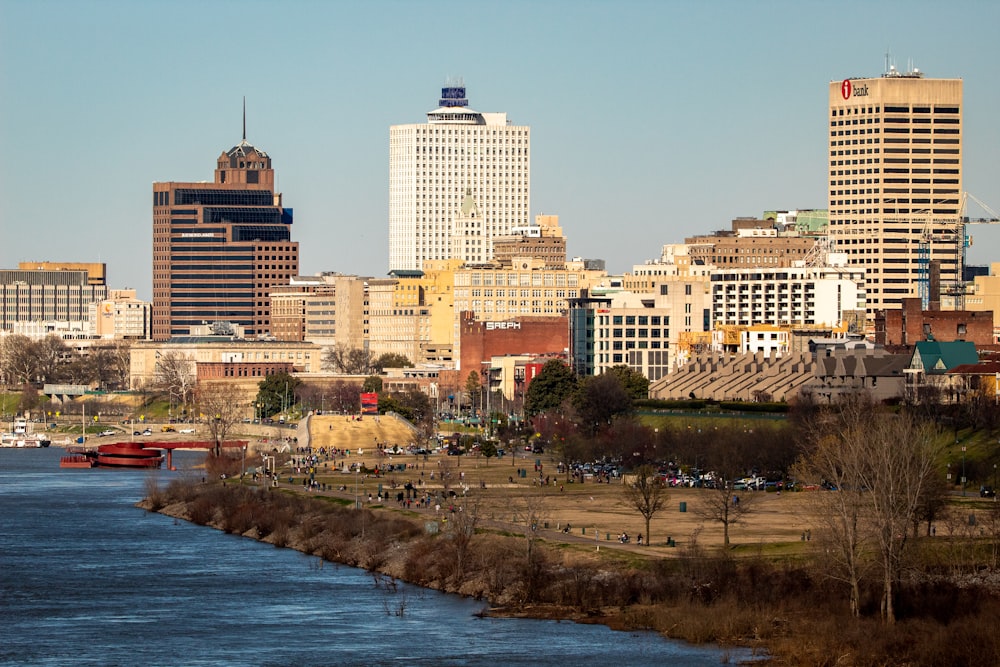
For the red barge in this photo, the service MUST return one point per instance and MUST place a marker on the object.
(134, 454)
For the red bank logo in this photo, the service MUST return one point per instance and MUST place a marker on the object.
(848, 90)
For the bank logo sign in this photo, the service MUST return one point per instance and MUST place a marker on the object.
(848, 90)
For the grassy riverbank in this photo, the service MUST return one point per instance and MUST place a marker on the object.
(780, 600)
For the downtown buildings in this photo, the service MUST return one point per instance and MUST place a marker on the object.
(895, 182)
(460, 164)
(219, 247)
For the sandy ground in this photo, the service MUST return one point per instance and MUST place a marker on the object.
(596, 512)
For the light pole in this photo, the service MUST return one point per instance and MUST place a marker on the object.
(963, 471)
(357, 499)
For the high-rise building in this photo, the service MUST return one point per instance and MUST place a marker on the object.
(52, 295)
(219, 247)
(895, 181)
(432, 167)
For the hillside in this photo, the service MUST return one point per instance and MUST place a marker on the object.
(344, 432)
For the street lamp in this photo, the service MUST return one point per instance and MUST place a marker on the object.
(963, 471)
(357, 499)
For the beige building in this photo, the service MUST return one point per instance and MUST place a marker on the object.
(328, 309)
(895, 181)
(639, 329)
(122, 315)
(145, 355)
(50, 296)
(750, 243)
(544, 240)
(985, 295)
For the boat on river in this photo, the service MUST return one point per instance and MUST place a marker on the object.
(23, 440)
(78, 461)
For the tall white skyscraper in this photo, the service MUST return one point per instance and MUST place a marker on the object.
(434, 166)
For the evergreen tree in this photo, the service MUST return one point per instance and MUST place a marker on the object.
(553, 385)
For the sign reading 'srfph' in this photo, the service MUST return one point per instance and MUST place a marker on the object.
(490, 326)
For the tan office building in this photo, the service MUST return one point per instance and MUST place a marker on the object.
(895, 181)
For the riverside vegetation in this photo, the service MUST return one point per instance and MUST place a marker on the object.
(785, 603)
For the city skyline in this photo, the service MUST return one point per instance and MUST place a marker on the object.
(650, 121)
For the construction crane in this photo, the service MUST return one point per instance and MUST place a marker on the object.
(962, 243)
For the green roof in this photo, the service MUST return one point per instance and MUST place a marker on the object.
(936, 357)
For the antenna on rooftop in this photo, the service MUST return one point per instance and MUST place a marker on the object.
(244, 118)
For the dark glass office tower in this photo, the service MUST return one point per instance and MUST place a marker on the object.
(219, 247)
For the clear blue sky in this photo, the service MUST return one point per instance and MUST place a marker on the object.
(650, 120)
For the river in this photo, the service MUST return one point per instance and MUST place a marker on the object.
(86, 578)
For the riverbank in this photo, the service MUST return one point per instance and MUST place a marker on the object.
(787, 608)
(513, 571)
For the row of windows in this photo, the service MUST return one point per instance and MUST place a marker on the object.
(893, 109)
(631, 320)
(632, 333)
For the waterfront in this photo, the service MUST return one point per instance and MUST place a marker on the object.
(88, 579)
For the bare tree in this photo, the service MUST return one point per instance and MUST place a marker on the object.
(175, 373)
(18, 363)
(51, 353)
(529, 512)
(878, 467)
(222, 412)
(727, 455)
(462, 530)
(348, 360)
(834, 458)
(645, 493)
(119, 361)
(900, 458)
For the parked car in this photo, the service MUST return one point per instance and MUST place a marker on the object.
(987, 492)
(186, 430)
(105, 433)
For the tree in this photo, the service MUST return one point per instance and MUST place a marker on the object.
(50, 353)
(881, 466)
(726, 454)
(175, 374)
(390, 360)
(834, 457)
(277, 393)
(348, 360)
(550, 388)
(599, 399)
(645, 493)
(636, 384)
(215, 401)
(899, 461)
(29, 398)
(488, 449)
(372, 384)
(344, 396)
(18, 361)
(529, 512)
(473, 388)
(119, 364)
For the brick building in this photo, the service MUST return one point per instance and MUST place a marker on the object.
(481, 341)
(910, 324)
